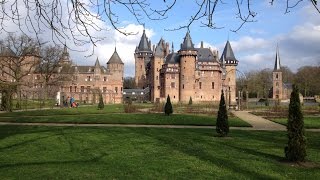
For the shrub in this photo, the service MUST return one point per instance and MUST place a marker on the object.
(168, 107)
(190, 101)
(101, 104)
(296, 149)
(222, 125)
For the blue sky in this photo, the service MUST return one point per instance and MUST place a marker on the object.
(297, 33)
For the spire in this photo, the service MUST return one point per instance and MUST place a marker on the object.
(187, 42)
(97, 64)
(172, 47)
(115, 58)
(277, 65)
(144, 43)
(228, 54)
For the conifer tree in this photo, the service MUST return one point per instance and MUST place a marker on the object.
(168, 107)
(296, 149)
(101, 104)
(190, 101)
(222, 125)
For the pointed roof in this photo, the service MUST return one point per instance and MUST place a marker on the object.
(144, 43)
(159, 52)
(65, 50)
(97, 64)
(277, 60)
(115, 58)
(228, 53)
(187, 43)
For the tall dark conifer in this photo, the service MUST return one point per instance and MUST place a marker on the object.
(296, 149)
(222, 125)
(168, 107)
(101, 104)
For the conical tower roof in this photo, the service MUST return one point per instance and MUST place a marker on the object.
(228, 54)
(144, 43)
(277, 65)
(115, 58)
(187, 43)
(97, 63)
(159, 52)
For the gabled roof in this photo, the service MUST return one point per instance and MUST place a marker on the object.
(172, 58)
(187, 43)
(277, 61)
(7, 52)
(159, 52)
(205, 55)
(228, 53)
(144, 43)
(115, 58)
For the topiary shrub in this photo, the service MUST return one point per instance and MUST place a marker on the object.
(101, 104)
(168, 107)
(296, 149)
(190, 101)
(222, 125)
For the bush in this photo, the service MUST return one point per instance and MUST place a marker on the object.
(296, 149)
(101, 104)
(222, 125)
(190, 101)
(129, 107)
(168, 107)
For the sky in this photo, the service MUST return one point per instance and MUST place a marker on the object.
(297, 34)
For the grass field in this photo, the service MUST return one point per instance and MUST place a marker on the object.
(114, 118)
(309, 122)
(147, 153)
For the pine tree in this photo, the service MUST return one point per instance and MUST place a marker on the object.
(101, 104)
(168, 107)
(296, 149)
(190, 101)
(222, 125)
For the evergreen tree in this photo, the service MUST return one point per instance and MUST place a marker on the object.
(101, 104)
(296, 149)
(222, 125)
(190, 101)
(168, 107)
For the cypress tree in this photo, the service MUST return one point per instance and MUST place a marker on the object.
(168, 107)
(296, 149)
(190, 101)
(101, 104)
(222, 125)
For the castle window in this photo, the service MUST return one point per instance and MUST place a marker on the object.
(75, 89)
(173, 76)
(88, 78)
(200, 85)
(174, 97)
(82, 88)
(104, 78)
(201, 97)
(116, 89)
(277, 76)
(88, 88)
(70, 89)
(104, 89)
(182, 86)
(173, 84)
(121, 89)
(157, 77)
(212, 85)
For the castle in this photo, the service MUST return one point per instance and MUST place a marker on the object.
(84, 83)
(195, 73)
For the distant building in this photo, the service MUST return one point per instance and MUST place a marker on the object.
(191, 72)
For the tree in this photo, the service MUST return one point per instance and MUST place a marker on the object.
(81, 20)
(307, 78)
(190, 101)
(129, 83)
(101, 104)
(222, 125)
(296, 149)
(168, 107)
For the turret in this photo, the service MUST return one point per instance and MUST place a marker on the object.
(97, 67)
(115, 63)
(188, 62)
(65, 57)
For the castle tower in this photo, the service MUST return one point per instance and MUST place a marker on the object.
(142, 56)
(188, 62)
(277, 77)
(229, 62)
(65, 57)
(155, 65)
(115, 66)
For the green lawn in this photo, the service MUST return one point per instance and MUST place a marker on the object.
(309, 122)
(123, 118)
(31, 152)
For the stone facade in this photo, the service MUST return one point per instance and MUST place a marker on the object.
(191, 72)
(84, 83)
